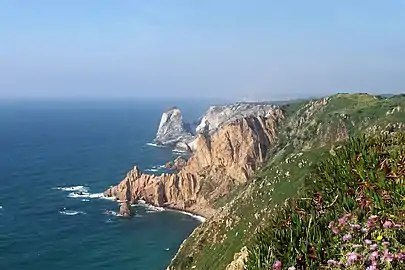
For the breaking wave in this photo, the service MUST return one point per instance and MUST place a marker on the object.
(74, 188)
(155, 145)
(71, 212)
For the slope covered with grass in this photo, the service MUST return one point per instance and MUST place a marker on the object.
(311, 132)
(350, 213)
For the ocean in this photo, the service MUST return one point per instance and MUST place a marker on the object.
(48, 150)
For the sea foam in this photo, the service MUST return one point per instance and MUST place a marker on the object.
(149, 208)
(155, 145)
(71, 212)
(73, 188)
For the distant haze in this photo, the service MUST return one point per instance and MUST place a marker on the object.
(245, 50)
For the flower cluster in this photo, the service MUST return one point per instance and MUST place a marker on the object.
(370, 244)
(366, 244)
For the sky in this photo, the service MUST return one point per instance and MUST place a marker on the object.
(234, 49)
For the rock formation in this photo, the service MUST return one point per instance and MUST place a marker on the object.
(221, 160)
(125, 209)
(173, 131)
(217, 116)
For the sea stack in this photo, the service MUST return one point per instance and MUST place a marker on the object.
(173, 131)
(126, 210)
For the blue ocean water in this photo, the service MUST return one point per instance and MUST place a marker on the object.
(46, 146)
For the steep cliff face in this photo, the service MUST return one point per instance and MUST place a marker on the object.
(173, 130)
(220, 161)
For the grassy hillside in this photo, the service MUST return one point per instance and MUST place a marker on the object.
(310, 133)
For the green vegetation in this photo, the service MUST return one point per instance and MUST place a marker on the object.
(353, 201)
(312, 132)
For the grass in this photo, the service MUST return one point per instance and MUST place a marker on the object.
(364, 180)
(305, 138)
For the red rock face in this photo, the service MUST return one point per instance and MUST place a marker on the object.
(219, 163)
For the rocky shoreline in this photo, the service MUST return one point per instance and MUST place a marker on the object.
(230, 144)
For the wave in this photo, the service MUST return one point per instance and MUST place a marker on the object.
(152, 170)
(177, 151)
(71, 212)
(149, 208)
(86, 195)
(199, 218)
(155, 145)
(74, 188)
(83, 193)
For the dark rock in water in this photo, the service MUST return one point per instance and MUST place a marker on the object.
(126, 210)
(173, 130)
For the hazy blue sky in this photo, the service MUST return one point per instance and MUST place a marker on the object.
(194, 48)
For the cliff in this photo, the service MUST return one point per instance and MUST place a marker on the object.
(174, 132)
(220, 162)
(311, 132)
(245, 172)
(218, 116)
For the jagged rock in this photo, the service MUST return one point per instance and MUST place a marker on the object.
(220, 161)
(173, 130)
(125, 209)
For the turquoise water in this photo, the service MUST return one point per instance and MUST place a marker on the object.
(48, 146)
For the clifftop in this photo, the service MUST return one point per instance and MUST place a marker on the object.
(174, 132)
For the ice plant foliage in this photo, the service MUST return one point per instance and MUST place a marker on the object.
(350, 214)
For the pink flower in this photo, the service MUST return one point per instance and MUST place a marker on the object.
(277, 265)
(373, 247)
(388, 224)
(388, 257)
(374, 255)
(343, 219)
(333, 262)
(371, 222)
(347, 237)
(333, 228)
(355, 226)
(397, 226)
(368, 242)
(352, 257)
(401, 256)
(385, 243)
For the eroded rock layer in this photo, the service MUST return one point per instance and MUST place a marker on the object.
(220, 161)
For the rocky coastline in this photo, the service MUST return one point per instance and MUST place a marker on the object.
(228, 145)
